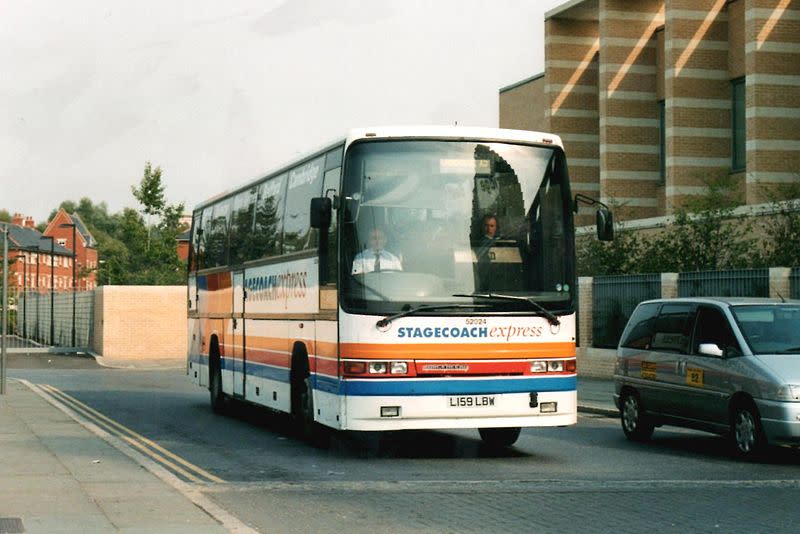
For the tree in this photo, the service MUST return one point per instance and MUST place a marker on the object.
(5, 216)
(150, 192)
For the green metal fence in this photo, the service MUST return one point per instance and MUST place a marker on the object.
(48, 318)
(794, 283)
(734, 283)
(613, 301)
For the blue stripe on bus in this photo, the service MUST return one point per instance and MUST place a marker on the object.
(429, 386)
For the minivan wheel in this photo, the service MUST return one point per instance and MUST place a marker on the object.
(746, 432)
(635, 425)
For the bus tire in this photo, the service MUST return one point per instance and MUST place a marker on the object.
(500, 437)
(219, 401)
(303, 410)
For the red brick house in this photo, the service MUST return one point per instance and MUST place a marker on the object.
(30, 259)
(61, 229)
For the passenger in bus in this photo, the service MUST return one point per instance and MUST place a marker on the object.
(484, 271)
(376, 257)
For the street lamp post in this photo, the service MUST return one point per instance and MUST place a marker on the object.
(24, 295)
(52, 286)
(74, 263)
(4, 315)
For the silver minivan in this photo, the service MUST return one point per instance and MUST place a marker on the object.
(730, 366)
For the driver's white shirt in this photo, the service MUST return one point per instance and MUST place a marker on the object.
(364, 261)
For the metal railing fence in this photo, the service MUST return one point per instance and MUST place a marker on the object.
(733, 283)
(794, 283)
(614, 299)
(46, 318)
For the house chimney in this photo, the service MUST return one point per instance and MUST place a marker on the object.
(29, 222)
(17, 219)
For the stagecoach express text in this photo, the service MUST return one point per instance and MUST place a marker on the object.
(282, 286)
(469, 332)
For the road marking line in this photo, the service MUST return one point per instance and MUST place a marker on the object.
(137, 440)
(191, 492)
(109, 428)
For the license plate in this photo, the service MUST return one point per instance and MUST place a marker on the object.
(471, 401)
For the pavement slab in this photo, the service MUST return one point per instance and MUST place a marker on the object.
(58, 476)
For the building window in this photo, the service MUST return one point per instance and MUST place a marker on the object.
(61, 241)
(662, 143)
(738, 126)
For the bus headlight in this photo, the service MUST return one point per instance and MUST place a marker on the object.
(538, 366)
(399, 368)
(378, 368)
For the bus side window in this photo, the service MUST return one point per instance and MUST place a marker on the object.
(268, 219)
(305, 182)
(331, 181)
(217, 243)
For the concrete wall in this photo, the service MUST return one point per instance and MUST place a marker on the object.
(140, 322)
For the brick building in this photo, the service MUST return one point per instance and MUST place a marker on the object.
(30, 254)
(653, 98)
(30, 261)
(61, 228)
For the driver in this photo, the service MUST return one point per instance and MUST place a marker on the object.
(376, 257)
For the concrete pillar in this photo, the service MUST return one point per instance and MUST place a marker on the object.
(669, 285)
(571, 51)
(772, 92)
(629, 112)
(779, 282)
(585, 312)
(698, 98)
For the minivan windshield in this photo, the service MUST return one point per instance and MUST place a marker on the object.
(433, 222)
(770, 329)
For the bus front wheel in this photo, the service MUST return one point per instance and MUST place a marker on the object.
(218, 400)
(499, 437)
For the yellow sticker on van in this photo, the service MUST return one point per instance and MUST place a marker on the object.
(648, 370)
(694, 377)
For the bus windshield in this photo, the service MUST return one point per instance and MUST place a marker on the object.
(430, 221)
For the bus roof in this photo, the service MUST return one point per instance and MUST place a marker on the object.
(400, 132)
(453, 133)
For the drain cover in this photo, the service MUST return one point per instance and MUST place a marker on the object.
(11, 525)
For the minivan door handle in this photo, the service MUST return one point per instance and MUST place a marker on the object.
(680, 367)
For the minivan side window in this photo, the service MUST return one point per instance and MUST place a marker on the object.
(713, 327)
(673, 328)
(639, 332)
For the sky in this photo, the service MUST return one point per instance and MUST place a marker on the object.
(219, 92)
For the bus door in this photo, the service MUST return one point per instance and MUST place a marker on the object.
(238, 339)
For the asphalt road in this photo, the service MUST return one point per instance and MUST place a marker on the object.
(585, 478)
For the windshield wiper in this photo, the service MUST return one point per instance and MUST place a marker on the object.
(551, 317)
(425, 307)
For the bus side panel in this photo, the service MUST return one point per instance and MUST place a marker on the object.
(325, 375)
(268, 359)
(197, 367)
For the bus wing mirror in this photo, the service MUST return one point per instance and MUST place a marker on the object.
(320, 212)
(605, 224)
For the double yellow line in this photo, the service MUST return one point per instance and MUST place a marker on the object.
(174, 463)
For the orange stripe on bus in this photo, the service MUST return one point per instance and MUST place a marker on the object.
(456, 351)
